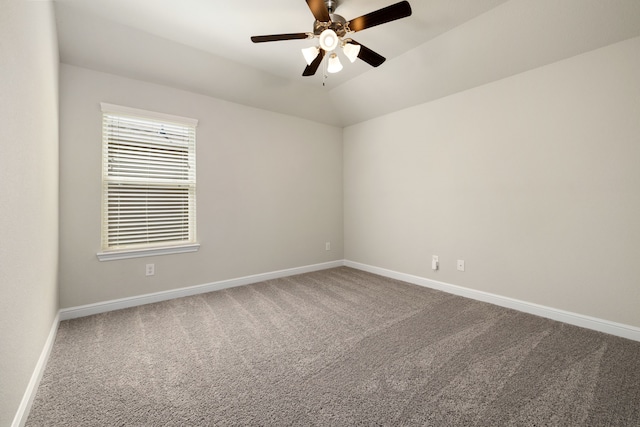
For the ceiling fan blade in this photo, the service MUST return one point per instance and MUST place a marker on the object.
(311, 69)
(381, 16)
(319, 10)
(279, 37)
(367, 55)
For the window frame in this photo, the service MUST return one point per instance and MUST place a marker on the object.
(144, 249)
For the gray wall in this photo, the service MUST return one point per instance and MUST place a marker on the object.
(28, 194)
(269, 191)
(533, 180)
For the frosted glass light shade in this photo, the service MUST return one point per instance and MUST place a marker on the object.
(310, 53)
(329, 40)
(334, 64)
(351, 51)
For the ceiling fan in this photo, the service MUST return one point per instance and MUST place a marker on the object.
(333, 30)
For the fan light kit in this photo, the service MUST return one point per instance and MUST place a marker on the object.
(351, 51)
(328, 40)
(332, 30)
(310, 53)
(334, 64)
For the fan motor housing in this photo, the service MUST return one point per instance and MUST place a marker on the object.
(337, 24)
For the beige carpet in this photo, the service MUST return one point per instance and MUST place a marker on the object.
(332, 348)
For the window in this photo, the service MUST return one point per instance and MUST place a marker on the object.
(148, 183)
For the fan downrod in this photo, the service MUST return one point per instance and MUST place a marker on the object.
(332, 5)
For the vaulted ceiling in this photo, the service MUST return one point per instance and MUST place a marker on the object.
(444, 47)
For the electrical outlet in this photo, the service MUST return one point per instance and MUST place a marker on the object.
(151, 269)
(327, 246)
(434, 262)
(460, 265)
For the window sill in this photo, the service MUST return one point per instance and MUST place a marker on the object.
(139, 253)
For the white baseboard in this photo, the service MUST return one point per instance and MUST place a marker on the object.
(606, 326)
(103, 307)
(613, 328)
(30, 393)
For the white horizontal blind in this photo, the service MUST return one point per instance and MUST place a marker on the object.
(149, 182)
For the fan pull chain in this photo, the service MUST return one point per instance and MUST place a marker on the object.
(324, 71)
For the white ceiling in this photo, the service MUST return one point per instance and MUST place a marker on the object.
(445, 46)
